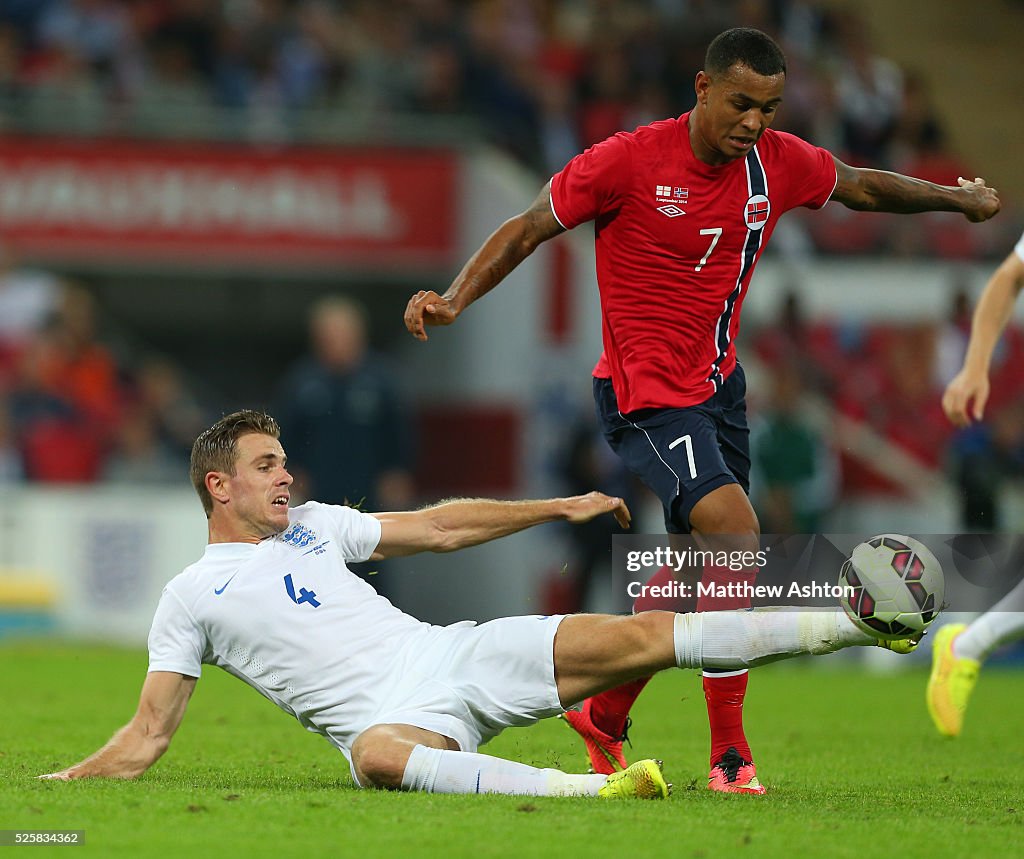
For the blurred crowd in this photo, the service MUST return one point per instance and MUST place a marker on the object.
(82, 403)
(74, 410)
(541, 78)
(79, 404)
(853, 410)
(545, 78)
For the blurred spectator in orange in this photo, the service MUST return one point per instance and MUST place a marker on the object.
(82, 369)
(67, 397)
(56, 442)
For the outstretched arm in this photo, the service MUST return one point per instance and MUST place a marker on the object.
(969, 388)
(470, 521)
(882, 191)
(507, 246)
(138, 745)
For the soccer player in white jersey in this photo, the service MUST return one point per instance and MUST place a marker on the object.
(272, 602)
(959, 649)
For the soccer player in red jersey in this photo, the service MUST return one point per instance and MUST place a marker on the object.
(682, 211)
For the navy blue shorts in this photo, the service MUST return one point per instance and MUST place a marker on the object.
(682, 454)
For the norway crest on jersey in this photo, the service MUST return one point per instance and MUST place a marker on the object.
(756, 211)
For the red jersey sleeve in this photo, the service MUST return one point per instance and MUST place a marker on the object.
(592, 183)
(810, 172)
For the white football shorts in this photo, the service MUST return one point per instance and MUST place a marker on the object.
(470, 682)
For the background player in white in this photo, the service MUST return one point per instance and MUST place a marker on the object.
(273, 603)
(959, 649)
(683, 209)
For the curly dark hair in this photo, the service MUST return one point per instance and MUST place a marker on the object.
(747, 46)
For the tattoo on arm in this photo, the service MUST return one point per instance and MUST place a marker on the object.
(506, 248)
(539, 225)
(882, 191)
(541, 216)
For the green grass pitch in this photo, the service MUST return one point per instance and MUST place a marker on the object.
(851, 761)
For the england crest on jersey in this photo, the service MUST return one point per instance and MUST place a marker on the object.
(756, 211)
(298, 535)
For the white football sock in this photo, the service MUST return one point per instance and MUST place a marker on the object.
(744, 638)
(1002, 623)
(984, 634)
(442, 771)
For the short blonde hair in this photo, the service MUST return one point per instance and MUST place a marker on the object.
(216, 448)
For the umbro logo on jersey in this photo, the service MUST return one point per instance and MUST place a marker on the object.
(678, 197)
(756, 211)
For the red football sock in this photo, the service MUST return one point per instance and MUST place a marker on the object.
(609, 710)
(724, 693)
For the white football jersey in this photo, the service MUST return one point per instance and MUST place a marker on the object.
(289, 618)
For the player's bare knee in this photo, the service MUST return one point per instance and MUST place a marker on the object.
(650, 625)
(724, 519)
(380, 767)
(647, 633)
(379, 759)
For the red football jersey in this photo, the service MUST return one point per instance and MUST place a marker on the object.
(677, 241)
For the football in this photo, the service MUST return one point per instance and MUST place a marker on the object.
(893, 586)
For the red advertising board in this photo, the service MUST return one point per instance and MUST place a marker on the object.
(227, 205)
